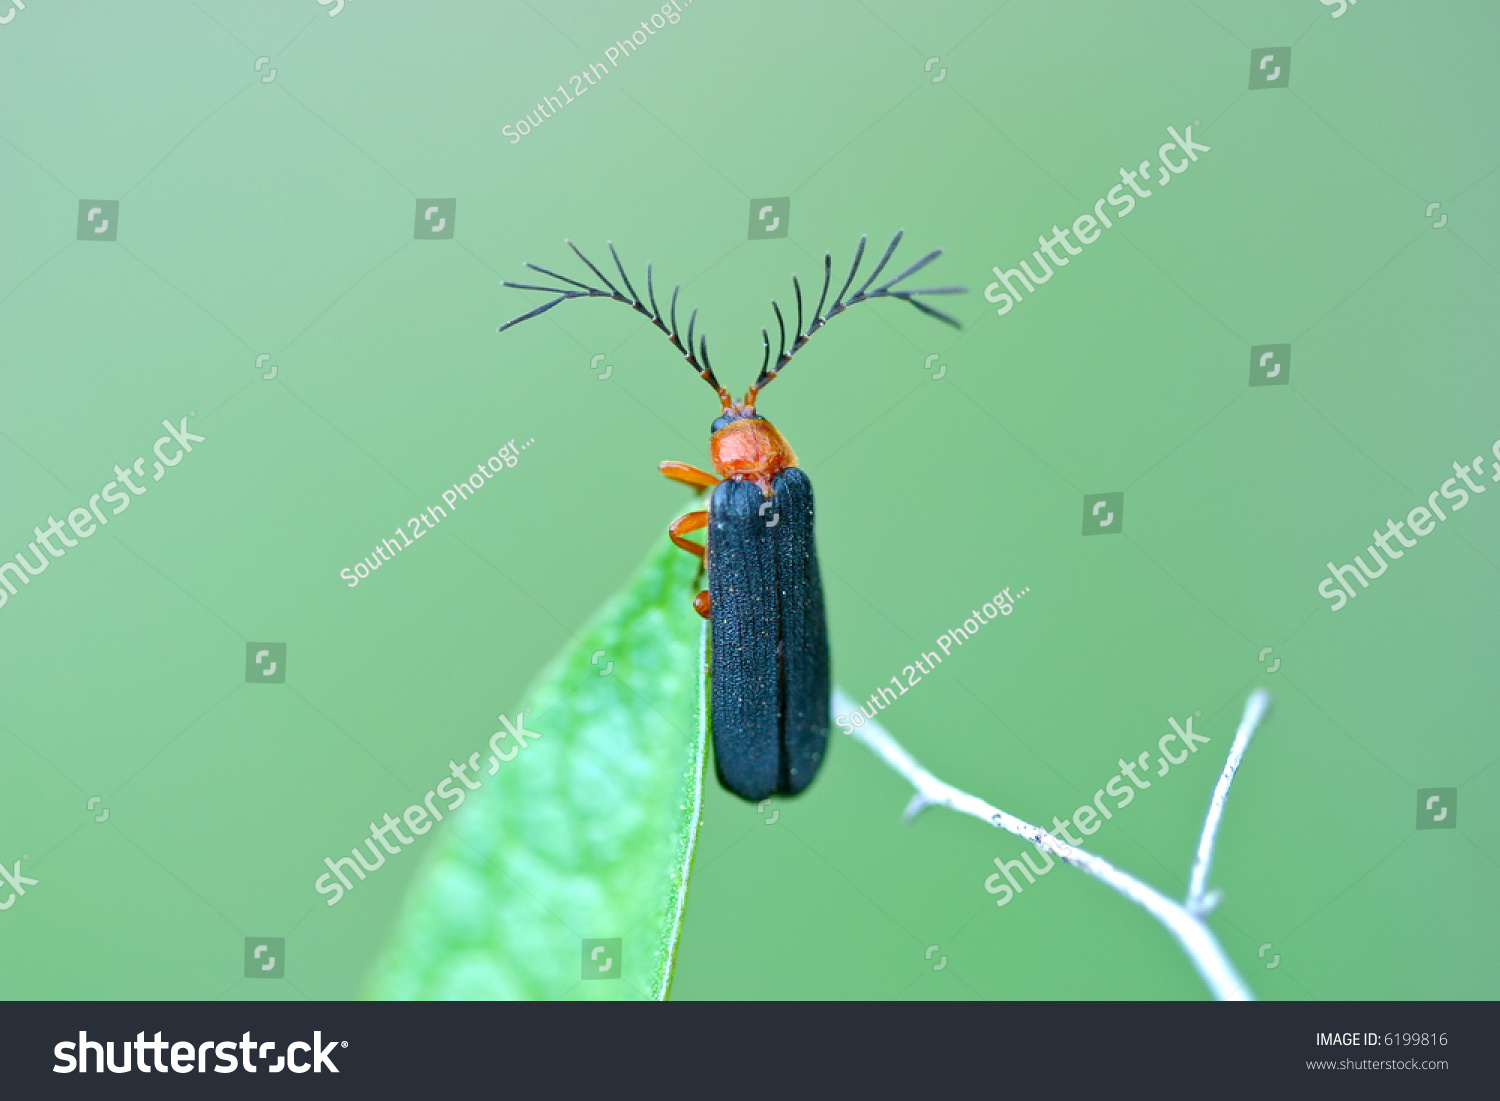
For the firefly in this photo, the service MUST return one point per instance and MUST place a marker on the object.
(768, 658)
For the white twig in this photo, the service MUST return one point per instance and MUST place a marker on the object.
(1199, 900)
(1183, 922)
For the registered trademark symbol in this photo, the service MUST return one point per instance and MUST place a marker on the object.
(343, 1043)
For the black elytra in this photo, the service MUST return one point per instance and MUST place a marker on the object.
(769, 657)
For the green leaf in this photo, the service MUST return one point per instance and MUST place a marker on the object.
(587, 833)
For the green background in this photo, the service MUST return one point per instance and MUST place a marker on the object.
(277, 217)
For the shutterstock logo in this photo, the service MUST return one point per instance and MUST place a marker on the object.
(190, 1057)
(1137, 183)
(1453, 495)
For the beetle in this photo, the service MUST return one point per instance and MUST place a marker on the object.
(769, 668)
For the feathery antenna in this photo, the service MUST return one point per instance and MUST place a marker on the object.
(575, 289)
(770, 370)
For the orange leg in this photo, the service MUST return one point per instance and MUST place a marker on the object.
(692, 521)
(689, 475)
